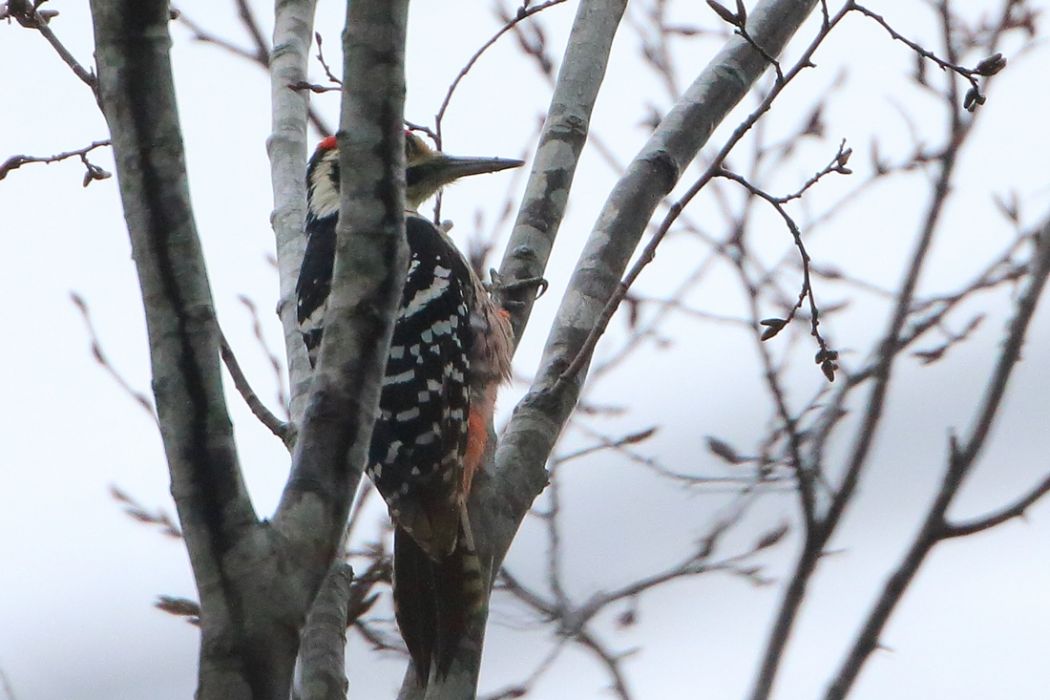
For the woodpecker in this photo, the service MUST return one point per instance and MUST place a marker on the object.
(450, 350)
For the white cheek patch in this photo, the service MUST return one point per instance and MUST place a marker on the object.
(325, 198)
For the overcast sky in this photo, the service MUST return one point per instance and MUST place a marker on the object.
(78, 577)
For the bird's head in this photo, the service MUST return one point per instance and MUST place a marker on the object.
(426, 172)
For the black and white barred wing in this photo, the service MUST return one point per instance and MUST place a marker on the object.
(315, 282)
(420, 435)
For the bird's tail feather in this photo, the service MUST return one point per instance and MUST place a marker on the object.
(435, 602)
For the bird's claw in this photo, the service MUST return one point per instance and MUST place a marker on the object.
(500, 288)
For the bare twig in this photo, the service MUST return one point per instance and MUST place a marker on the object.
(206, 37)
(521, 689)
(259, 54)
(1014, 510)
(324, 64)
(582, 357)
(522, 14)
(139, 512)
(837, 165)
(271, 356)
(881, 370)
(804, 476)
(28, 15)
(361, 596)
(742, 31)
(623, 447)
(251, 24)
(93, 171)
(554, 549)
(962, 456)
(100, 357)
(826, 357)
(610, 661)
(987, 67)
(283, 430)
(180, 607)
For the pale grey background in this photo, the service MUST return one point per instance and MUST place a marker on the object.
(77, 577)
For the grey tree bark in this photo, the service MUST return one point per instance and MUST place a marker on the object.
(503, 494)
(292, 37)
(273, 602)
(256, 580)
(252, 609)
(320, 671)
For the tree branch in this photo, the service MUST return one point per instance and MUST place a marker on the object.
(880, 370)
(370, 265)
(540, 416)
(100, 356)
(610, 661)
(248, 610)
(496, 512)
(321, 667)
(561, 143)
(1014, 510)
(962, 456)
(93, 171)
(27, 15)
(502, 498)
(284, 431)
(139, 105)
(292, 34)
